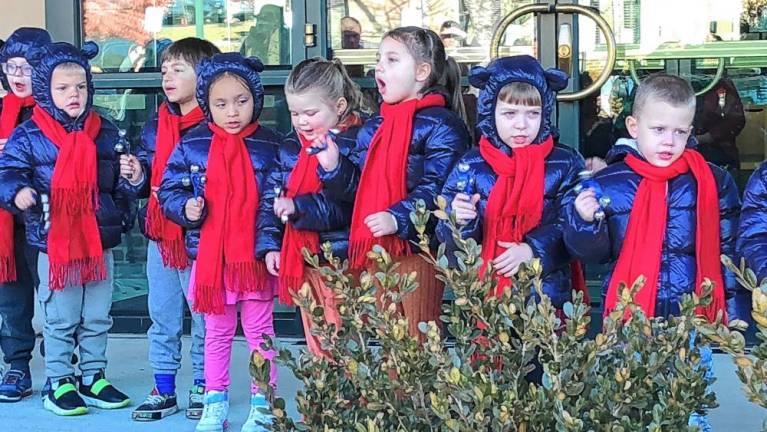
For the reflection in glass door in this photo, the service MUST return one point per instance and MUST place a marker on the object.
(718, 45)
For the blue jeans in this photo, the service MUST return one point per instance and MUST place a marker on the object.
(17, 337)
(707, 362)
(168, 290)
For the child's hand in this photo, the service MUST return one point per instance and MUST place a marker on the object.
(273, 263)
(25, 198)
(381, 224)
(284, 207)
(328, 158)
(465, 207)
(595, 164)
(193, 208)
(587, 205)
(507, 263)
(2, 144)
(130, 169)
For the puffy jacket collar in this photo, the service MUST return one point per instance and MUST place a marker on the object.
(491, 79)
(625, 146)
(44, 61)
(247, 68)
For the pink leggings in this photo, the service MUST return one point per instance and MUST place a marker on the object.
(256, 319)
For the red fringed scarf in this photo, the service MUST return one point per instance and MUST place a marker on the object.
(169, 236)
(74, 244)
(303, 180)
(643, 244)
(9, 119)
(383, 179)
(226, 257)
(515, 204)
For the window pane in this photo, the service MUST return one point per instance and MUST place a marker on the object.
(466, 28)
(133, 33)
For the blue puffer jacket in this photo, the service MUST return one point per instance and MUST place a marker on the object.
(440, 137)
(193, 149)
(314, 212)
(21, 42)
(145, 154)
(752, 235)
(30, 157)
(561, 170)
(601, 242)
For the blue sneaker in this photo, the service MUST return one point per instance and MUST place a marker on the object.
(260, 418)
(15, 386)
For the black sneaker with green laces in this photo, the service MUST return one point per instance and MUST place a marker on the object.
(102, 394)
(155, 407)
(64, 399)
(196, 402)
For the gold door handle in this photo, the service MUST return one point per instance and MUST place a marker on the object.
(604, 27)
(717, 76)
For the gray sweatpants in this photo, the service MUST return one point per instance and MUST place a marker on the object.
(168, 299)
(78, 312)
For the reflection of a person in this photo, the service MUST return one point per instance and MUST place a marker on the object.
(269, 39)
(719, 119)
(351, 33)
(452, 34)
(599, 129)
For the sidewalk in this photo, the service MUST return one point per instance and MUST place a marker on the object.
(128, 370)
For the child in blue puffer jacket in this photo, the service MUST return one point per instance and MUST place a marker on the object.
(752, 235)
(324, 105)
(401, 157)
(671, 214)
(18, 260)
(507, 194)
(61, 169)
(213, 187)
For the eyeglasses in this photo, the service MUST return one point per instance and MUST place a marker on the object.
(15, 70)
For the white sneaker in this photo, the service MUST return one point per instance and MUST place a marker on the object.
(260, 417)
(215, 412)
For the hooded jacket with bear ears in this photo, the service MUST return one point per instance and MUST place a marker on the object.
(21, 43)
(29, 156)
(194, 147)
(561, 170)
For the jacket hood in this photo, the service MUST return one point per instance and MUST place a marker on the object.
(44, 61)
(522, 68)
(23, 41)
(247, 68)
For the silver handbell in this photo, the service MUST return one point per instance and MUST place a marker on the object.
(278, 194)
(186, 182)
(121, 147)
(464, 181)
(194, 169)
(45, 202)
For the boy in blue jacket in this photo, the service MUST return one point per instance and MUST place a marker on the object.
(60, 168)
(18, 261)
(671, 214)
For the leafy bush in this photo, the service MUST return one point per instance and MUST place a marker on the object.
(514, 365)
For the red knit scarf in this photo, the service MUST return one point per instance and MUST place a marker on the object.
(643, 244)
(74, 244)
(226, 257)
(303, 180)
(383, 180)
(9, 119)
(515, 204)
(169, 236)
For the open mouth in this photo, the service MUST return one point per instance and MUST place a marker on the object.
(20, 87)
(233, 124)
(381, 85)
(665, 156)
(520, 139)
